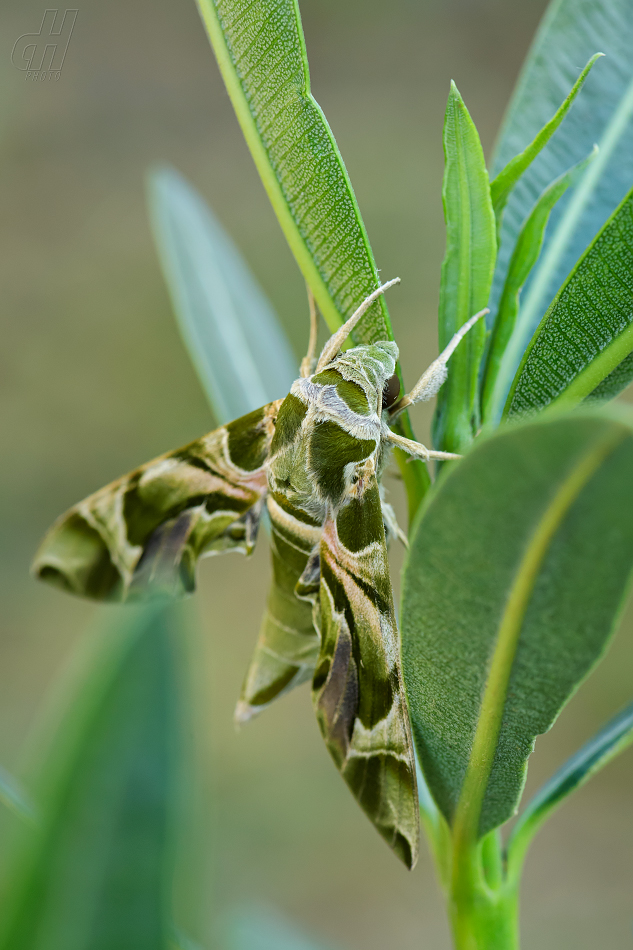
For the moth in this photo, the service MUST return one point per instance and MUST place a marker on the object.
(315, 460)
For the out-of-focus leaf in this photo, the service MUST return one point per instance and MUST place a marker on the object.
(514, 581)
(507, 178)
(261, 53)
(234, 339)
(181, 941)
(588, 330)
(262, 928)
(466, 273)
(15, 796)
(97, 873)
(613, 739)
(571, 31)
(526, 252)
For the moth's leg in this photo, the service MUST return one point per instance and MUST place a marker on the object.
(431, 380)
(416, 449)
(309, 360)
(392, 528)
(336, 341)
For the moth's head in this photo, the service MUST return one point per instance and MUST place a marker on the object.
(372, 367)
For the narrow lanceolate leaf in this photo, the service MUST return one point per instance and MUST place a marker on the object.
(588, 330)
(261, 53)
(571, 32)
(515, 579)
(525, 255)
(613, 739)
(466, 273)
(97, 872)
(507, 178)
(233, 336)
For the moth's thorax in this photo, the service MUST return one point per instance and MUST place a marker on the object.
(329, 429)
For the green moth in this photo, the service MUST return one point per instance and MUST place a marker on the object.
(315, 459)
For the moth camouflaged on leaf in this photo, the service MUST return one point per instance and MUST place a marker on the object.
(315, 459)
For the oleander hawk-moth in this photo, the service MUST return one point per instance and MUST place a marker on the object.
(315, 459)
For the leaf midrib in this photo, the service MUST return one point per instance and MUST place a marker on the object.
(478, 769)
(271, 180)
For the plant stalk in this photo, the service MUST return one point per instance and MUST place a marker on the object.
(483, 904)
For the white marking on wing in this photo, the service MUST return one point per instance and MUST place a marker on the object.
(307, 532)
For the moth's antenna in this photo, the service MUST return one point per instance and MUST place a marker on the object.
(431, 379)
(337, 340)
(307, 363)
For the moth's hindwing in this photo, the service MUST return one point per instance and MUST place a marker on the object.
(146, 531)
(358, 687)
(288, 644)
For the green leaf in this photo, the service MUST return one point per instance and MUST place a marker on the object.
(255, 927)
(614, 383)
(261, 53)
(97, 873)
(15, 797)
(507, 178)
(234, 339)
(588, 330)
(466, 273)
(570, 33)
(526, 252)
(613, 739)
(514, 581)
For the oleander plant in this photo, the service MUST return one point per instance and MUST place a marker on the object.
(520, 528)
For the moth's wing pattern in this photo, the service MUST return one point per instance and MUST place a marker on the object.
(144, 532)
(288, 645)
(358, 688)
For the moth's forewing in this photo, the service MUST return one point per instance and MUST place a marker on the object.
(146, 531)
(358, 688)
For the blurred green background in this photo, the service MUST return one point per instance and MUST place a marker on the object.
(94, 380)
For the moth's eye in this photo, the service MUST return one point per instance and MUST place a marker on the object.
(390, 392)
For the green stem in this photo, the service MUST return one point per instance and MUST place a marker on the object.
(480, 923)
(483, 903)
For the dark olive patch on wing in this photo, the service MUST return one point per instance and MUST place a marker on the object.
(369, 779)
(92, 574)
(293, 510)
(142, 518)
(291, 414)
(248, 440)
(272, 690)
(359, 523)
(331, 449)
